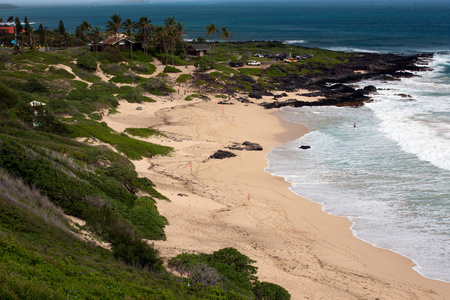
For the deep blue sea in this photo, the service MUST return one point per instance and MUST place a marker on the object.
(390, 175)
(392, 26)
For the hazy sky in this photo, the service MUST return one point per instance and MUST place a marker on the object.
(66, 2)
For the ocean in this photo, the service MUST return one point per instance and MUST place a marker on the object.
(390, 174)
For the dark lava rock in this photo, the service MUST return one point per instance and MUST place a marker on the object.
(280, 95)
(252, 146)
(221, 154)
(244, 100)
(248, 146)
(304, 147)
(225, 103)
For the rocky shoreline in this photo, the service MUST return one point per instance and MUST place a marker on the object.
(331, 85)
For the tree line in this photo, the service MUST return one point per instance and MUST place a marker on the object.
(166, 37)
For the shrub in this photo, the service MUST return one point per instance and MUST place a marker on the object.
(147, 220)
(113, 55)
(156, 86)
(205, 63)
(35, 85)
(274, 71)
(270, 291)
(87, 62)
(170, 69)
(184, 77)
(205, 275)
(113, 69)
(58, 106)
(61, 72)
(144, 68)
(8, 97)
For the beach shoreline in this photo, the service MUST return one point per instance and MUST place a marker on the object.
(234, 203)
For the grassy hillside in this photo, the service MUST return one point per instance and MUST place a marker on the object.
(50, 102)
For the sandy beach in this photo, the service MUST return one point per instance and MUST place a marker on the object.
(233, 202)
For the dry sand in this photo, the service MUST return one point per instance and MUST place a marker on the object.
(234, 203)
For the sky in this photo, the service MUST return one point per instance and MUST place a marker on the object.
(68, 2)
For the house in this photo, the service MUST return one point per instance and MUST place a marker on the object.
(7, 29)
(197, 49)
(119, 40)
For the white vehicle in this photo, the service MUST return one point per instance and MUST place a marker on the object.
(253, 63)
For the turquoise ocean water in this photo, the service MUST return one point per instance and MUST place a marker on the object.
(391, 174)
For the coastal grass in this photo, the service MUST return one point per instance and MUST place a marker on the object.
(132, 148)
(143, 132)
(68, 267)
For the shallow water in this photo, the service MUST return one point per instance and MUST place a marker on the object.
(389, 175)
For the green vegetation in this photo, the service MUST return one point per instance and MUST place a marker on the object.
(170, 69)
(184, 77)
(143, 132)
(87, 62)
(132, 148)
(229, 269)
(41, 256)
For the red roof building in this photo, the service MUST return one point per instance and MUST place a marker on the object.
(8, 29)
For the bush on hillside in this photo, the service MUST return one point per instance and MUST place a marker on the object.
(87, 62)
(156, 86)
(270, 291)
(113, 55)
(8, 97)
(170, 69)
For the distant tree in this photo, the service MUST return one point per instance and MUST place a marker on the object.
(160, 38)
(61, 28)
(41, 34)
(10, 19)
(27, 25)
(84, 29)
(212, 31)
(200, 40)
(114, 24)
(128, 26)
(226, 35)
(29, 32)
(171, 34)
(180, 33)
(19, 29)
(61, 33)
(144, 29)
(96, 35)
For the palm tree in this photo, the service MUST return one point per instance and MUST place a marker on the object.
(96, 34)
(160, 38)
(212, 31)
(170, 28)
(144, 27)
(85, 27)
(19, 29)
(180, 33)
(226, 35)
(128, 26)
(114, 24)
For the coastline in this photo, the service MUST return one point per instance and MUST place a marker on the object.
(297, 245)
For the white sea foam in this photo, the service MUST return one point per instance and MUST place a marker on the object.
(388, 175)
(295, 42)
